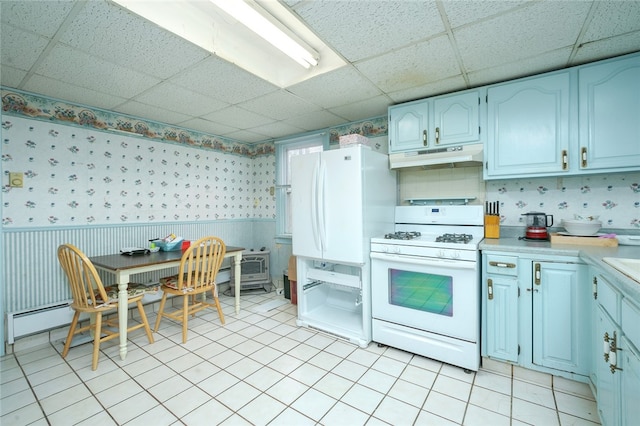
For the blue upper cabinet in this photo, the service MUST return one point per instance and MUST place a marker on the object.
(446, 120)
(409, 126)
(609, 114)
(528, 127)
(457, 118)
(583, 120)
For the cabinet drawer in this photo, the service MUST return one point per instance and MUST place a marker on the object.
(502, 265)
(609, 298)
(631, 322)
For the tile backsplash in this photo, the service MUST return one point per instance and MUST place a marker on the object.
(614, 197)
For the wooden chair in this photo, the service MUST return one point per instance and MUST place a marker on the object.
(196, 276)
(90, 296)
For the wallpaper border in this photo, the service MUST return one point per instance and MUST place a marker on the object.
(39, 107)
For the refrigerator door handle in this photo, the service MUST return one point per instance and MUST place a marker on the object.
(322, 228)
(314, 207)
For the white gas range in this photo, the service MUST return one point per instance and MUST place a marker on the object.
(425, 279)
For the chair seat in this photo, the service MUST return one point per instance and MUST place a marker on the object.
(172, 282)
(133, 290)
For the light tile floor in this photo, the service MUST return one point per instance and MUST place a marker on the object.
(260, 368)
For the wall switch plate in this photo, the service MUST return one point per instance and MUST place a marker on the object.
(16, 179)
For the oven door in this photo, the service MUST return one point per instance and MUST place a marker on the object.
(436, 295)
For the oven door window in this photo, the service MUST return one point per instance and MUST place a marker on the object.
(424, 292)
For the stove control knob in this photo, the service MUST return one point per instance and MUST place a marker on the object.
(396, 249)
(442, 253)
(455, 254)
(384, 249)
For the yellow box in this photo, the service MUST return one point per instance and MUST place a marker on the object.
(491, 226)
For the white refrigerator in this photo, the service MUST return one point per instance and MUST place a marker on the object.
(340, 199)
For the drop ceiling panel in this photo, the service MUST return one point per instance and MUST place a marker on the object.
(524, 67)
(315, 120)
(138, 109)
(114, 34)
(222, 80)
(175, 98)
(465, 12)
(277, 129)
(11, 77)
(345, 85)
(238, 117)
(279, 105)
(613, 18)
(207, 126)
(20, 49)
(412, 66)
(445, 85)
(77, 68)
(247, 136)
(72, 93)
(527, 32)
(40, 17)
(615, 46)
(373, 107)
(362, 29)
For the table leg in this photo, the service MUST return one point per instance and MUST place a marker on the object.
(123, 312)
(238, 260)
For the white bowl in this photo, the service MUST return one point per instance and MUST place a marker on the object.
(581, 227)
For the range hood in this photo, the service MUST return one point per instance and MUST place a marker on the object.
(451, 156)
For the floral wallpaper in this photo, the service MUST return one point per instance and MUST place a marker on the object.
(614, 198)
(76, 176)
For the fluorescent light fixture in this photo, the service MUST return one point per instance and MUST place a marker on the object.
(263, 37)
(259, 21)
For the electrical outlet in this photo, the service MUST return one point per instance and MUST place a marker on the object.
(16, 179)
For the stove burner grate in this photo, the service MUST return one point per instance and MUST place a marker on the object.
(401, 235)
(454, 238)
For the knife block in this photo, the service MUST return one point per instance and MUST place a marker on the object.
(491, 226)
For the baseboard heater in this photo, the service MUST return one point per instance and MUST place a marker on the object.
(42, 318)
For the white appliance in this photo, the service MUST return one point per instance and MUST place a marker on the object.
(426, 283)
(339, 200)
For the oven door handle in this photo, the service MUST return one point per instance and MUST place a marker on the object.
(423, 261)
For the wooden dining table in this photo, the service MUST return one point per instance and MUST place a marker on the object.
(124, 266)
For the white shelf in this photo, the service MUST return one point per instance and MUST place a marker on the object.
(335, 320)
(334, 277)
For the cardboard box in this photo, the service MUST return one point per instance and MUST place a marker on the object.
(355, 139)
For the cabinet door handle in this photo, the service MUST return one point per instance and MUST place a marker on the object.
(583, 157)
(613, 356)
(490, 289)
(502, 264)
(595, 288)
(536, 278)
(437, 135)
(425, 142)
(565, 160)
